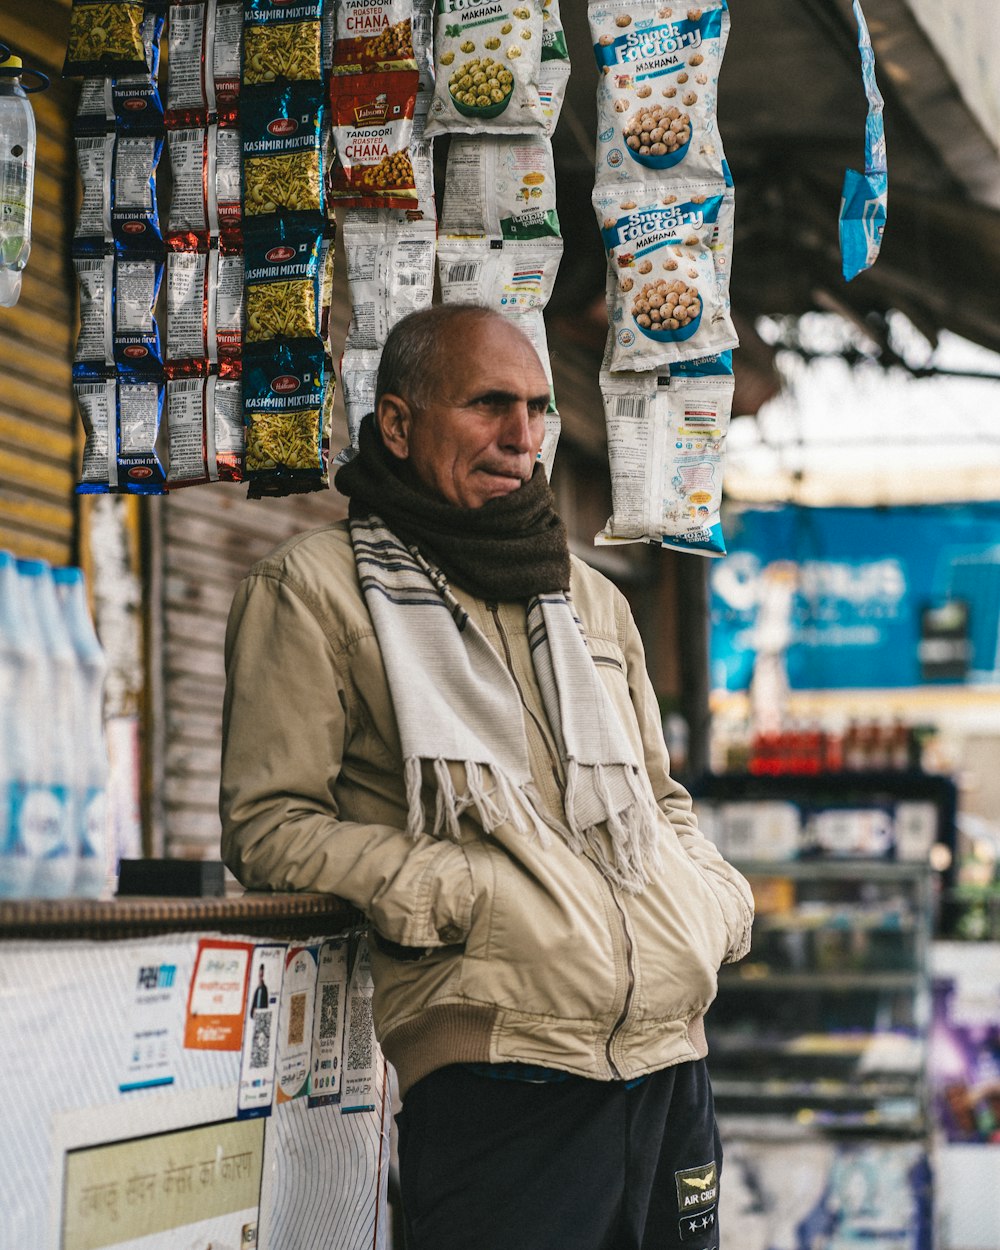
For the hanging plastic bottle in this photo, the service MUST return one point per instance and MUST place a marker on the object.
(90, 755)
(44, 821)
(19, 658)
(17, 175)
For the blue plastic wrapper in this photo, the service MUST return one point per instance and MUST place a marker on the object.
(282, 150)
(117, 326)
(121, 420)
(284, 386)
(282, 272)
(863, 204)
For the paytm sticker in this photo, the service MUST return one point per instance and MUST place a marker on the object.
(697, 1187)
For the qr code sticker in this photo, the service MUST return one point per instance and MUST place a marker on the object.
(329, 1011)
(359, 1041)
(297, 1020)
(260, 1043)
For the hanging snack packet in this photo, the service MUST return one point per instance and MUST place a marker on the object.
(656, 99)
(95, 341)
(229, 319)
(666, 443)
(94, 160)
(191, 220)
(121, 421)
(205, 423)
(508, 277)
(135, 222)
(283, 395)
(358, 375)
(373, 35)
(282, 279)
(129, 102)
(282, 42)
(372, 121)
(500, 185)
(228, 38)
(422, 19)
(668, 288)
(228, 181)
(553, 36)
(105, 39)
(282, 150)
(390, 273)
(487, 61)
(190, 77)
(190, 311)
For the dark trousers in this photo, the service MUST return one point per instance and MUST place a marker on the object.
(488, 1164)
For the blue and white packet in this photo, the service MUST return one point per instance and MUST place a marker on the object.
(864, 199)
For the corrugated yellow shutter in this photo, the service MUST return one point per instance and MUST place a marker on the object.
(38, 423)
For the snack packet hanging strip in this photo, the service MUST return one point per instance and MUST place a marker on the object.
(283, 400)
(372, 36)
(282, 42)
(666, 444)
(656, 98)
(135, 221)
(205, 421)
(500, 185)
(105, 39)
(372, 121)
(190, 62)
(192, 219)
(204, 312)
(506, 276)
(121, 421)
(668, 274)
(487, 63)
(358, 375)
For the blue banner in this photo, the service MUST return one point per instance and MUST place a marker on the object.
(865, 580)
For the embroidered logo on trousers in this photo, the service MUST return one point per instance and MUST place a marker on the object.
(697, 1188)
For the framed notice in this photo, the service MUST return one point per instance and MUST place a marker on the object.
(192, 1187)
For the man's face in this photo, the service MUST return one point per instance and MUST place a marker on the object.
(479, 435)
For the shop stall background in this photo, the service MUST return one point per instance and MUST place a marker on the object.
(120, 1120)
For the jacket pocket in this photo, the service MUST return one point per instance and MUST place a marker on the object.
(540, 940)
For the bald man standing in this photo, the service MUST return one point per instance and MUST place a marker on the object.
(436, 712)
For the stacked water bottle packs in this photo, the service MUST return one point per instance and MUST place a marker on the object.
(502, 71)
(53, 758)
(663, 197)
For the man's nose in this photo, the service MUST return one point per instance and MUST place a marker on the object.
(516, 433)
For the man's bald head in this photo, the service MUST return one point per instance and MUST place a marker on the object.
(422, 348)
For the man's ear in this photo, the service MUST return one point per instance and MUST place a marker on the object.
(394, 419)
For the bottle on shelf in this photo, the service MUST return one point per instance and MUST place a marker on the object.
(17, 178)
(90, 754)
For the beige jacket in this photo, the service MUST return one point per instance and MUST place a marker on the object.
(526, 952)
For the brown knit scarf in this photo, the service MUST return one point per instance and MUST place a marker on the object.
(510, 548)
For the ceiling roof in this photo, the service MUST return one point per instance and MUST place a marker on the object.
(792, 116)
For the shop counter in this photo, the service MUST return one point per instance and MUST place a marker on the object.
(186, 1072)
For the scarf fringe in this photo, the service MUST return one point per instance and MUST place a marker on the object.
(630, 832)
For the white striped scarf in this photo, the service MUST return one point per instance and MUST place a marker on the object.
(456, 702)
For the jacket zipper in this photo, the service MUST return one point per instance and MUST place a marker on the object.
(630, 989)
(494, 611)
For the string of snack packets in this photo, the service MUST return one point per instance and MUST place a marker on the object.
(279, 114)
(663, 196)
